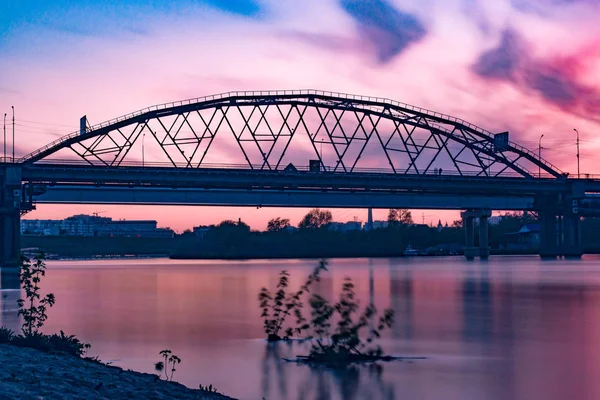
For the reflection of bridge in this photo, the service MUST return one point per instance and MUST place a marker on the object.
(431, 161)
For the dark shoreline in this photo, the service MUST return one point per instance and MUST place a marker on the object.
(27, 373)
(311, 257)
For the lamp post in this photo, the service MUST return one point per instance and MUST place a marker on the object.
(576, 131)
(4, 159)
(540, 156)
(13, 140)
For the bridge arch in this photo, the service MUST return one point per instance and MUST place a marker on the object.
(357, 132)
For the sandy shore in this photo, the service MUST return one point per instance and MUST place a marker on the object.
(31, 374)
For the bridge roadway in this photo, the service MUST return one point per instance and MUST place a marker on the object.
(82, 184)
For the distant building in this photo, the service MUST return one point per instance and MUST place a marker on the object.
(495, 220)
(378, 225)
(93, 225)
(527, 237)
(345, 226)
(41, 227)
(133, 229)
(202, 230)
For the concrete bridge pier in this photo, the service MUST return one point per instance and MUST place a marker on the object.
(560, 235)
(549, 234)
(10, 218)
(483, 250)
(571, 246)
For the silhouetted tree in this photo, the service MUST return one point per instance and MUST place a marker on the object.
(229, 224)
(228, 235)
(187, 233)
(457, 223)
(315, 218)
(278, 224)
(400, 215)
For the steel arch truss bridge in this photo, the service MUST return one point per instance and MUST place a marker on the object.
(271, 130)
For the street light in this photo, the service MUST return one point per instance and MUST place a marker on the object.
(577, 152)
(13, 141)
(540, 156)
(4, 159)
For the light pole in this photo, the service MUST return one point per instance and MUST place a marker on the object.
(143, 139)
(540, 156)
(13, 141)
(577, 152)
(4, 159)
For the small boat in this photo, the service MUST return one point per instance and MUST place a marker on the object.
(409, 251)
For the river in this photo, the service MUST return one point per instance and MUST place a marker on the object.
(508, 328)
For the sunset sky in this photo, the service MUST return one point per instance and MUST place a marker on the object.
(528, 67)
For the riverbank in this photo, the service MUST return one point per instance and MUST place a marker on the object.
(253, 247)
(28, 374)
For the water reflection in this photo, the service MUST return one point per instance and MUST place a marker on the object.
(401, 294)
(273, 369)
(9, 295)
(354, 382)
(511, 328)
(477, 304)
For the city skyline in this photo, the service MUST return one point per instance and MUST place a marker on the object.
(531, 68)
(344, 217)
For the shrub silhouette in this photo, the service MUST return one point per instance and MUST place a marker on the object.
(33, 308)
(278, 306)
(343, 344)
(170, 360)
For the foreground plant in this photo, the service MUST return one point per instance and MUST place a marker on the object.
(278, 306)
(170, 360)
(210, 388)
(6, 335)
(344, 345)
(34, 307)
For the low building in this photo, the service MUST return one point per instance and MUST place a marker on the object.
(495, 220)
(92, 225)
(345, 226)
(380, 224)
(528, 237)
(40, 227)
(202, 230)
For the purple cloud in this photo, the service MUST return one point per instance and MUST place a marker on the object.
(504, 61)
(553, 80)
(389, 30)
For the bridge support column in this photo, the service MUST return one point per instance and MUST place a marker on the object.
(560, 226)
(10, 218)
(469, 227)
(483, 250)
(549, 234)
(484, 247)
(571, 246)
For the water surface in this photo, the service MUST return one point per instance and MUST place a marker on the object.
(509, 328)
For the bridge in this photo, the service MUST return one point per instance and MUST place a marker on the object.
(301, 148)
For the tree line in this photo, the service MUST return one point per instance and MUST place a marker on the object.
(314, 238)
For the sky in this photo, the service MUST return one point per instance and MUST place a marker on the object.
(528, 67)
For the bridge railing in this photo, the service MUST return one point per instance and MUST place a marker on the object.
(287, 93)
(260, 168)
